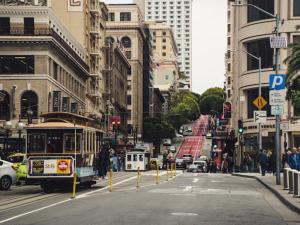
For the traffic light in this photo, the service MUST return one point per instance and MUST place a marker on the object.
(241, 127)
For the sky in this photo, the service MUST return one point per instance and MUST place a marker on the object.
(208, 43)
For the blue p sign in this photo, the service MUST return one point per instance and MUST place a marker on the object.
(277, 81)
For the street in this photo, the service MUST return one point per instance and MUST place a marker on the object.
(189, 198)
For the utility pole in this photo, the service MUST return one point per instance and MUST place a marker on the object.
(277, 124)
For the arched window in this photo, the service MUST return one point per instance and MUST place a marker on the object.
(126, 42)
(4, 106)
(29, 102)
(109, 40)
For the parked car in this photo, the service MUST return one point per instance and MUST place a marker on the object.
(172, 149)
(202, 165)
(179, 135)
(188, 132)
(16, 159)
(180, 164)
(187, 158)
(7, 175)
(167, 142)
(194, 168)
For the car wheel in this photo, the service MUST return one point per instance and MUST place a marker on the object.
(5, 183)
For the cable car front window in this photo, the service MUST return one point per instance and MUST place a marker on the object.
(135, 157)
(129, 158)
(141, 158)
(36, 143)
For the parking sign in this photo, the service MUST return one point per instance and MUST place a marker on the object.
(277, 81)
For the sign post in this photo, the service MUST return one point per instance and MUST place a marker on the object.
(277, 99)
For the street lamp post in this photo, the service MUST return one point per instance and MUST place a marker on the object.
(7, 126)
(277, 123)
(20, 126)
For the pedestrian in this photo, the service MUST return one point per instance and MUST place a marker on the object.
(293, 160)
(165, 160)
(263, 160)
(170, 159)
(100, 163)
(106, 159)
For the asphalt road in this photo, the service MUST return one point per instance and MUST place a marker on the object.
(188, 199)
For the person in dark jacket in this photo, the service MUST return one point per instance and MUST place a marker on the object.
(294, 159)
(263, 160)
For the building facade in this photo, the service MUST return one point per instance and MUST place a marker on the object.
(86, 21)
(178, 15)
(115, 83)
(42, 67)
(249, 31)
(125, 26)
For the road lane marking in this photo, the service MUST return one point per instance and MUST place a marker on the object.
(195, 180)
(188, 188)
(184, 214)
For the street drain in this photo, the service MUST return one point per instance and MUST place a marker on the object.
(184, 214)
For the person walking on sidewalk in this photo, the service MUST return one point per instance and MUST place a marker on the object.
(263, 160)
(294, 160)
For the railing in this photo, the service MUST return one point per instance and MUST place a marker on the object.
(47, 32)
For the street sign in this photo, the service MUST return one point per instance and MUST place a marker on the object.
(278, 42)
(260, 116)
(277, 110)
(277, 97)
(277, 81)
(260, 102)
(284, 126)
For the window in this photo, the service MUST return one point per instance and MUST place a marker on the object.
(164, 47)
(29, 102)
(167, 77)
(55, 72)
(125, 16)
(16, 64)
(28, 26)
(126, 42)
(164, 40)
(260, 48)
(296, 6)
(128, 56)
(4, 26)
(164, 33)
(128, 99)
(36, 143)
(252, 94)
(254, 14)
(296, 39)
(164, 54)
(69, 142)
(4, 106)
(111, 16)
(228, 28)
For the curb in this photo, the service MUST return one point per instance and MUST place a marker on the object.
(274, 191)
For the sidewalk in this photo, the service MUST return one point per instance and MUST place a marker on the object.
(269, 181)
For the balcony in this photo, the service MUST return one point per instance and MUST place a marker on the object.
(95, 30)
(95, 52)
(94, 8)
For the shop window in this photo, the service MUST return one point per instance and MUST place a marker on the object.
(255, 14)
(16, 64)
(260, 48)
(29, 104)
(4, 106)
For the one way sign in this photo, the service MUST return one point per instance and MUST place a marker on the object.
(260, 116)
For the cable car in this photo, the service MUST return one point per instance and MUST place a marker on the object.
(137, 159)
(50, 149)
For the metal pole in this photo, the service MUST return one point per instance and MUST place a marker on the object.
(277, 124)
(259, 94)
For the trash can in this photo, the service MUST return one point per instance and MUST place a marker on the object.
(296, 183)
(285, 178)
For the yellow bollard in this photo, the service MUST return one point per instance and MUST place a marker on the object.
(110, 180)
(138, 178)
(74, 186)
(171, 171)
(167, 172)
(175, 169)
(157, 173)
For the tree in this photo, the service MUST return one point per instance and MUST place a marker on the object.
(293, 74)
(212, 100)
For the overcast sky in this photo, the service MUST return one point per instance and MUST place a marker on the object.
(209, 43)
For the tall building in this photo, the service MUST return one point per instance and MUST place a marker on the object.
(165, 69)
(85, 20)
(125, 26)
(42, 68)
(249, 30)
(178, 15)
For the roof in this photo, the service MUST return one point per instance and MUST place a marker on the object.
(57, 125)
